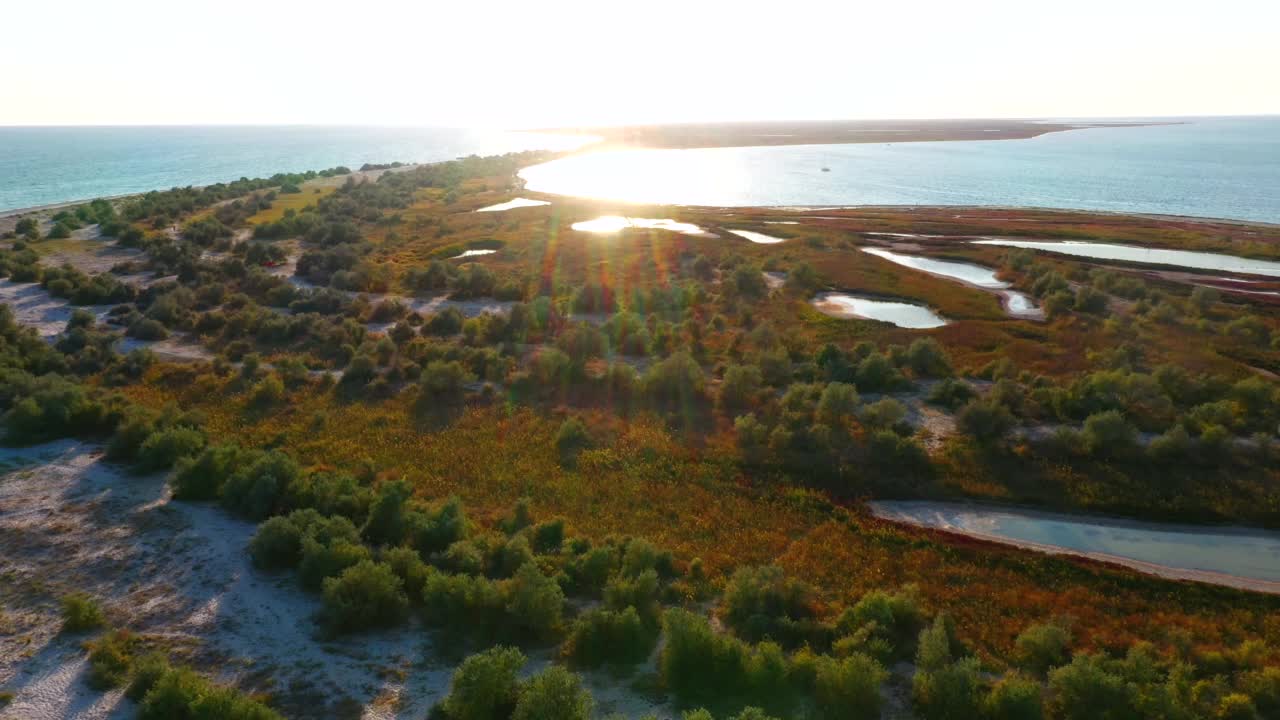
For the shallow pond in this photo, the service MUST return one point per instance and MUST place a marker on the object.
(608, 224)
(905, 315)
(966, 272)
(513, 204)
(1238, 557)
(472, 253)
(1149, 256)
(758, 237)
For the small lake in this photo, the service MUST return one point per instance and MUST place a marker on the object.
(1149, 256)
(966, 272)
(1238, 557)
(513, 204)
(608, 224)
(904, 315)
(758, 237)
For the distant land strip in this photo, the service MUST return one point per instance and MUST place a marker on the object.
(824, 132)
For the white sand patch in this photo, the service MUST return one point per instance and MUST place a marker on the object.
(472, 253)
(34, 307)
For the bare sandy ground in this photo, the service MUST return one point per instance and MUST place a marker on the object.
(178, 572)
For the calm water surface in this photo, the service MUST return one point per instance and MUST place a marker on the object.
(1210, 167)
(46, 165)
(905, 315)
(1251, 554)
(1150, 256)
(973, 274)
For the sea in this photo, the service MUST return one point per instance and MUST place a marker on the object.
(1217, 167)
(1221, 167)
(49, 165)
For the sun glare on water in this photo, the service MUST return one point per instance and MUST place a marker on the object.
(608, 224)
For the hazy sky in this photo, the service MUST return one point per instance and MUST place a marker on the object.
(564, 62)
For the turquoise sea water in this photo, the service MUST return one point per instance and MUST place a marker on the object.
(1208, 167)
(46, 165)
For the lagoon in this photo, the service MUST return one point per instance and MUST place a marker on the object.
(1239, 557)
(904, 315)
(1149, 256)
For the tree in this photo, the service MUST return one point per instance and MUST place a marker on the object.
(485, 686)
(442, 383)
(553, 694)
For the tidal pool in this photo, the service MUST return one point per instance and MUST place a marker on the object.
(513, 204)
(905, 315)
(972, 274)
(1149, 256)
(1239, 557)
(758, 237)
(608, 224)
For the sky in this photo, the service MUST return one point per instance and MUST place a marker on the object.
(558, 63)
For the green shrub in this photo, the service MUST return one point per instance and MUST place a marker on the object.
(571, 439)
(1085, 690)
(463, 601)
(326, 560)
(553, 694)
(639, 592)
(949, 692)
(165, 447)
(535, 602)
(896, 617)
(365, 595)
(277, 544)
(110, 657)
(181, 694)
(548, 536)
(610, 636)
(762, 602)
(254, 489)
(407, 564)
(81, 613)
(848, 688)
(1040, 648)
(202, 478)
(485, 686)
(432, 532)
(147, 670)
(1014, 698)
